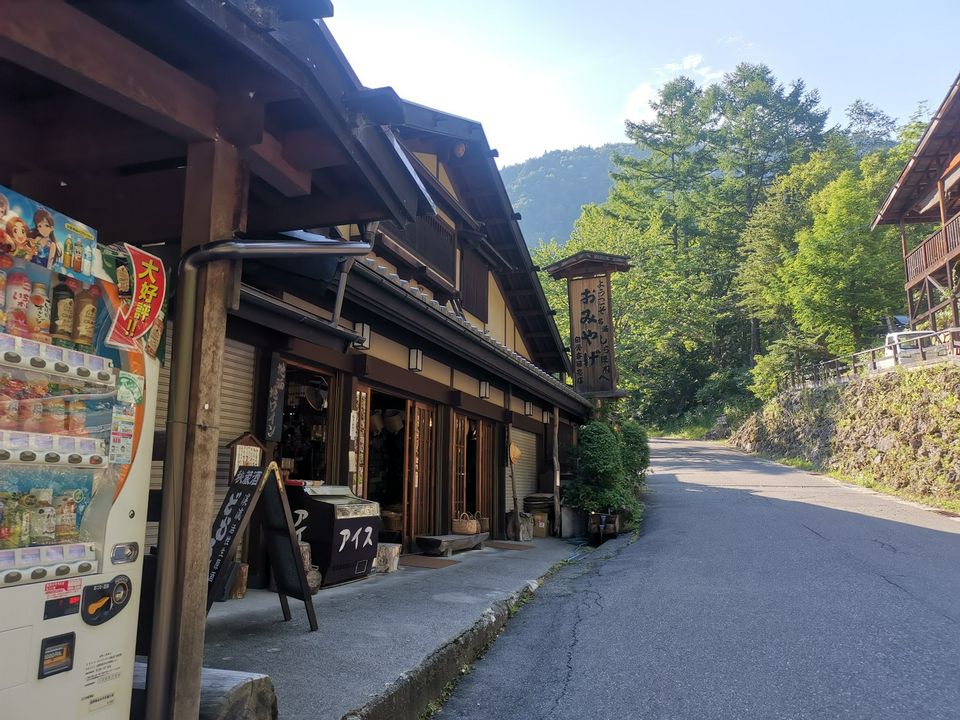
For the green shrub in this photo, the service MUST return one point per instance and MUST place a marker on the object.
(609, 467)
(599, 458)
(634, 449)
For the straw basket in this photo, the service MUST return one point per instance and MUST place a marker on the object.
(465, 525)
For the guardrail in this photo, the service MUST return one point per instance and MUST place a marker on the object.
(917, 349)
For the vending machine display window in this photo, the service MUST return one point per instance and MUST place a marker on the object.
(58, 408)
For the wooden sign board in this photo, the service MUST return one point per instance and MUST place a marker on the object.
(591, 336)
(251, 485)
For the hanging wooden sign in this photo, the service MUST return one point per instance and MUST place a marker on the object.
(591, 320)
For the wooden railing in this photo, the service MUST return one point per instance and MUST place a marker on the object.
(932, 251)
(930, 347)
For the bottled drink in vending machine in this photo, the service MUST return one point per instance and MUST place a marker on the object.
(78, 254)
(6, 262)
(85, 317)
(38, 313)
(61, 313)
(67, 258)
(87, 258)
(18, 291)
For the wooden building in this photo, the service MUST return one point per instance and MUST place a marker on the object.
(928, 191)
(174, 124)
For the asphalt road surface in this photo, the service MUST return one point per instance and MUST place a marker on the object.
(754, 591)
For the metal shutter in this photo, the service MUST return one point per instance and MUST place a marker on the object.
(236, 413)
(526, 469)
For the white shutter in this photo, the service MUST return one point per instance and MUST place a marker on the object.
(236, 413)
(526, 469)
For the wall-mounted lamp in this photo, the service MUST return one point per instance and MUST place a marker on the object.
(416, 360)
(527, 408)
(363, 330)
(547, 417)
(484, 389)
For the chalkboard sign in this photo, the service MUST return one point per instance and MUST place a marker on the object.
(283, 546)
(249, 487)
(229, 525)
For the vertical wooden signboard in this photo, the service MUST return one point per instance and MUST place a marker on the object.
(591, 320)
(591, 335)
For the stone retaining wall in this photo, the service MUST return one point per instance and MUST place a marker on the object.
(899, 429)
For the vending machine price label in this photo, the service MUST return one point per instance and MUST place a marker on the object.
(61, 588)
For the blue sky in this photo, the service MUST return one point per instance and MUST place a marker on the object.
(550, 74)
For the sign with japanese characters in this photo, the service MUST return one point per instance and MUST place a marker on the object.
(591, 335)
(142, 293)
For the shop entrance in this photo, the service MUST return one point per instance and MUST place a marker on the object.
(473, 471)
(400, 465)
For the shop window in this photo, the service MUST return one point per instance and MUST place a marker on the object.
(303, 447)
(474, 284)
(386, 461)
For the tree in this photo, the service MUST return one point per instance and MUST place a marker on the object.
(868, 128)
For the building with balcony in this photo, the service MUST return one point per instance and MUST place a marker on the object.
(928, 191)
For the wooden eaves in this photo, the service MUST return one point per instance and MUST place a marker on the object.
(920, 175)
(211, 74)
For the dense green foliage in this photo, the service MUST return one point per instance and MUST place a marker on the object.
(634, 449)
(747, 222)
(610, 466)
(549, 191)
(598, 458)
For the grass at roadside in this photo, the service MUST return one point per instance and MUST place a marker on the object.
(868, 482)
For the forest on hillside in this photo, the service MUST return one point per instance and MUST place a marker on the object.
(747, 221)
(549, 191)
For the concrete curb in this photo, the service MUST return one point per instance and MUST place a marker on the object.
(408, 696)
(413, 691)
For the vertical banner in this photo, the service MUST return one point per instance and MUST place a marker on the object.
(591, 335)
(275, 397)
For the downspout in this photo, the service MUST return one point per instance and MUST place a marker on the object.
(162, 656)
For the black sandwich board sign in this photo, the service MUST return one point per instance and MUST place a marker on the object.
(251, 485)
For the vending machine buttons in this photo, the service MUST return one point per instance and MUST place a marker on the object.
(104, 600)
(12, 577)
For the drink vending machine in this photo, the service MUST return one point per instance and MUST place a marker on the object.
(80, 328)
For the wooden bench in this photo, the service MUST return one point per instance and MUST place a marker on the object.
(446, 544)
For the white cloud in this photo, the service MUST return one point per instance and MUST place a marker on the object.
(736, 40)
(637, 105)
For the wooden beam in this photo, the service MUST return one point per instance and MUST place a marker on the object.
(106, 67)
(311, 149)
(312, 211)
(268, 160)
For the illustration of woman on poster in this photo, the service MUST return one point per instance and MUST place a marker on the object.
(45, 244)
(6, 245)
(19, 236)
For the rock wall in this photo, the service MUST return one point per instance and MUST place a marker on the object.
(900, 429)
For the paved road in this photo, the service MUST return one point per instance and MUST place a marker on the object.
(754, 591)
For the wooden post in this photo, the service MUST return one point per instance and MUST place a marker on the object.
(555, 433)
(214, 209)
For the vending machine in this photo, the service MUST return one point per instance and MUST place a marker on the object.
(80, 328)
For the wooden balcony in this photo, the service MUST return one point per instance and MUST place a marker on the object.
(943, 245)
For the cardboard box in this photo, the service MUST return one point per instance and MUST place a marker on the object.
(541, 524)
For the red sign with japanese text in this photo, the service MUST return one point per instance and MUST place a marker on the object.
(140, 310)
